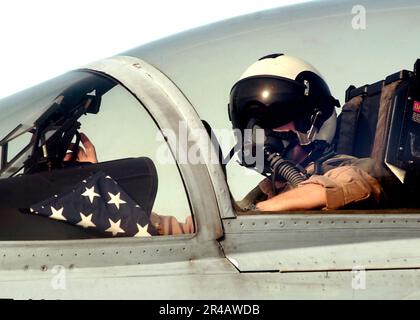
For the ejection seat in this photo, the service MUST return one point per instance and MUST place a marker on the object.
(382, 121)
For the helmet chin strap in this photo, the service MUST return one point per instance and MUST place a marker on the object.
(320, 150)
(303, 138)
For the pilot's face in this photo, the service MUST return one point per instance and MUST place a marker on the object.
(297, 154)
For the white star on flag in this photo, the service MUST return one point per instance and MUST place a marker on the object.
(142, 231)
(86, 221)
(57, 214)
(90, 192)
(115, 199)
(115, 227)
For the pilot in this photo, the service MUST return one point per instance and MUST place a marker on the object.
(165, 225)
(289, 100)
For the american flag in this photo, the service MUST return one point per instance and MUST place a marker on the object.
(98, 203)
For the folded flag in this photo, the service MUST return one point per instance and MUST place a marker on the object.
(98, 203)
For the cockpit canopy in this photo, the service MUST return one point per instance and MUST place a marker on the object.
(49, 127)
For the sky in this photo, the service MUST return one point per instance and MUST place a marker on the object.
(45, 38)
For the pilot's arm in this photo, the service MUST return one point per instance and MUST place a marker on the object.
(333, 190)
(169, 225)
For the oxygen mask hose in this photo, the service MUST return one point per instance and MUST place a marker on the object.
(284, 169)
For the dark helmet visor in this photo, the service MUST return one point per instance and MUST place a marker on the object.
(272, 101)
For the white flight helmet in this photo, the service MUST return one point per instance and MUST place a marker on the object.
(278, 89)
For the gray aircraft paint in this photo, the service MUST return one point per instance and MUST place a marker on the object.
(304, 255)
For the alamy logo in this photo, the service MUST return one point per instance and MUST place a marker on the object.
(358, 281)
(193, 146)
(359, 20)
(58, 282)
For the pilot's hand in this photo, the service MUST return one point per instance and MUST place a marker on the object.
(267, 188)
(87, 153)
